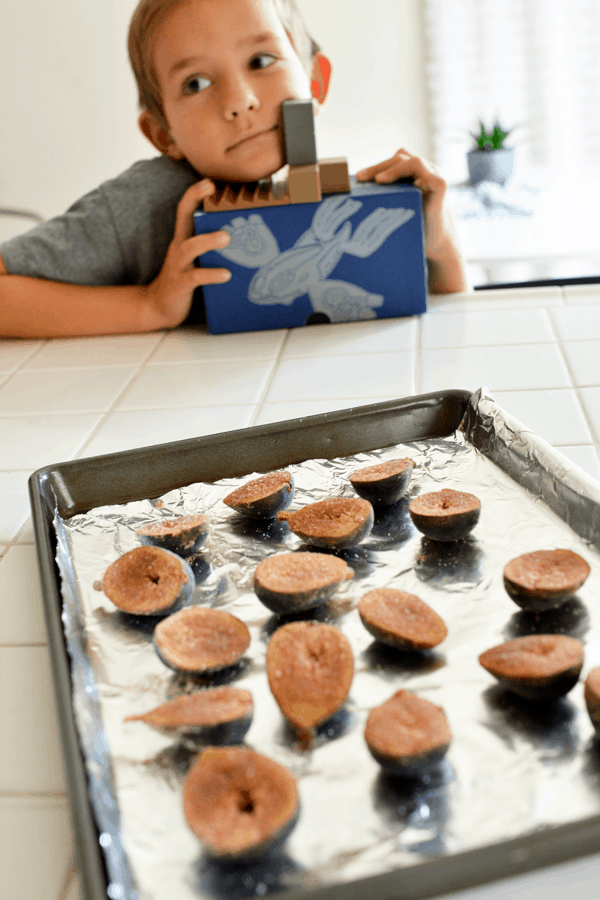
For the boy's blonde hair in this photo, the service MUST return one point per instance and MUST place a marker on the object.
(149, 14)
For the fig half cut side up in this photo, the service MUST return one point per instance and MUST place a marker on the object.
(183, 535)
(540, 667)
(264, 497)
(310, 667)
(148, 581)
(331, 524)
(401, 620)
(292, 582)
(544, 579)
(384, 483)
(239, 803)
(200, 640)
(407, 735)
(220, 715)
(446, 515)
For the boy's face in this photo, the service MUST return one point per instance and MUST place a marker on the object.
(224, 68)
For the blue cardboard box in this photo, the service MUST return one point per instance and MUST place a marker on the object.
(352, 256)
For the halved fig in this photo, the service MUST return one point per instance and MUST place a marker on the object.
(333, 524)
(239, 803)
(591, 694)
(201, 641)
(446, 515)
(538, 667)
(407, 735)
(292, 582)
(310, 667)
(263, 497)
(183, 535)
(384, 483)
(544, 579)
(220, 715)
(401, 620)
(148, 581)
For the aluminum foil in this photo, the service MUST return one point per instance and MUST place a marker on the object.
(512, 768)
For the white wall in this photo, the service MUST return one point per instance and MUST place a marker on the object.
(377, 99)
(68, 102)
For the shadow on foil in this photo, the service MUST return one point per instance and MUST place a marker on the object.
(418, 806)
(259, 529)
(551, 728)
(442, 563)
(571, 619)
(391, 663)
(273, 873)
(393, 525)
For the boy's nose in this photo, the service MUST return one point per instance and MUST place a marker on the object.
(238, 99)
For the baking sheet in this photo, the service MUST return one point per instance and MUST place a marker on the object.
(534, 768)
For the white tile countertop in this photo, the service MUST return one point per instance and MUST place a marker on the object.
(536, 349)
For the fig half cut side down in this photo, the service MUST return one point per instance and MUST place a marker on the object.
(540, 667)
(220, 715)
(264, 497)
(292, 582)
(591, 694)
(183, 535)
(310, 667)
(384, 483)
(446, 515)
(201, 641)
(148, 581)
(401, 620)
(331, 524)
(544, 579)
(407, 735)
(239, 803)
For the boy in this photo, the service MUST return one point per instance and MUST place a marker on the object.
(212, 75)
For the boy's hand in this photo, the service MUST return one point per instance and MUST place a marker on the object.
(425, 176)
(447, 271)
(171, 291)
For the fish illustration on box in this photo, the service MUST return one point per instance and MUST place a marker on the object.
(283, 276)
(349, 257)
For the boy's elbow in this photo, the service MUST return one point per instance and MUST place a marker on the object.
(3, 269)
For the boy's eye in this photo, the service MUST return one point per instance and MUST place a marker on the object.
(262, 61)
(195, 84)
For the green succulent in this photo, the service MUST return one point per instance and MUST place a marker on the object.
(490, 140)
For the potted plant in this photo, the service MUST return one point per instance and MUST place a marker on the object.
(489, 159)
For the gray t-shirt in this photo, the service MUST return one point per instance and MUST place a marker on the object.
(117, 234)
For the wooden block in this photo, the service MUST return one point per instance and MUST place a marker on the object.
(244, 196)
(304, 185)
(298, 125)
(334, 175)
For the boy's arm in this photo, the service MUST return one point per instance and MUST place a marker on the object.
(34, 307)
(446, 266)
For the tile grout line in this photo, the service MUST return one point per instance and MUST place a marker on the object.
(418, 359)
(260, 403)
(12, 543)
(69, 878)
(103, 413)
(575, 387)
(550, 387)
(18, 646)
(15, 371)
(34, 795)
(141, 367)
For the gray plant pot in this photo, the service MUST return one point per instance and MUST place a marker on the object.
(491, 165)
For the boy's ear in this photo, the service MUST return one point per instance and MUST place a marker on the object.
(158, 136)
(320, 75)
